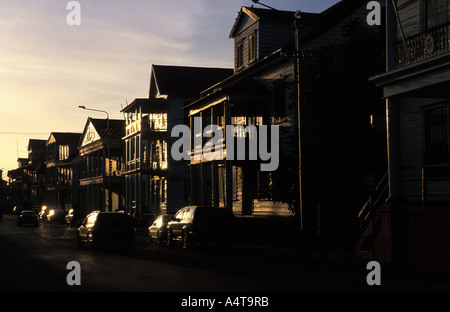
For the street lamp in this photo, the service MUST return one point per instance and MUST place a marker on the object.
(109, 152)
(97, 110)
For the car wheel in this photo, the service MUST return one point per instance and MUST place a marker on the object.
(186, 240)
(158, 237)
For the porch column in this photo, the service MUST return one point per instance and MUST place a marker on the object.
(228, 164)
(214, 173)
(393, 146)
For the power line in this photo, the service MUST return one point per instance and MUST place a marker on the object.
(24, 133)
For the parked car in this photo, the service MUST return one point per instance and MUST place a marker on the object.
(157, 231)
(116, 228)
(200, 224)
(74, 217)
(56, 215)
(43, 213)
(28, 217)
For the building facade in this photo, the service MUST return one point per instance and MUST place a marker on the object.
(413, 225)
(35, 171)
(277, 71)
(155, 182)
(101, 163)
(62, 171)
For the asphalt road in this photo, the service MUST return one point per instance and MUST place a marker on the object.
(34, 259)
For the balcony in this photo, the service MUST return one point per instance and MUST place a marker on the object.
(432, 42)
(151, 124)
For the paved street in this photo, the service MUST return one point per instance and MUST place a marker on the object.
(35, 259)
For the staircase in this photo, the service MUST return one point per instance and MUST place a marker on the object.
(368, 219)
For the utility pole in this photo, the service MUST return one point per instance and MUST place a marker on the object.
(297, 18)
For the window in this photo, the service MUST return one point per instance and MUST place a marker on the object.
(436, 141)
(251, 48)
(239, 55)
(435, 12)
(63, 152)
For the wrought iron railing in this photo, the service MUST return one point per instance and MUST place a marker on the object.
(426, 44)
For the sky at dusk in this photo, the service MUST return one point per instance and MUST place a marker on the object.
(48, 68)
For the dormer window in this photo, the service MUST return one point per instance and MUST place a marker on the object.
(251, 48)
(240, 55)
(63, 152)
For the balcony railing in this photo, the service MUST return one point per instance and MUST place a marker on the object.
(432, 42)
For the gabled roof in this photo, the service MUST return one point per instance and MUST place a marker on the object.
(185, 80)
(333, 15)
(64, 138)
(272, 16)
(100, 130)
(37, 144)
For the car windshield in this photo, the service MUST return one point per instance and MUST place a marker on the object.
(111, 219)
(28, 213)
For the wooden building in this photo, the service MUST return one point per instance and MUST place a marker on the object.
(264, 91)
(35, 171)
(101, 164)
(414, 224)
(155, 182)
(62, 173)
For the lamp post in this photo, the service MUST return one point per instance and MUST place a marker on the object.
(109, 153)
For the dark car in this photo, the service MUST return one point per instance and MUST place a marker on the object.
(56, 216)
(157, 231)
(74, 217)
(28, 217)
(116, 228)
(200, 224)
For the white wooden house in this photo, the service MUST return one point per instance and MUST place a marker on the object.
(414, 224)
(155, 182)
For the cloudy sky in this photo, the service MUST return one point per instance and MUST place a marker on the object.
(48, 68)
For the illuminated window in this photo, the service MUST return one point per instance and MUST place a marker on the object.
(158, 121)
(63, 152)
